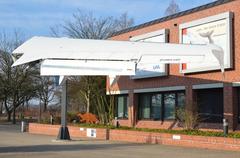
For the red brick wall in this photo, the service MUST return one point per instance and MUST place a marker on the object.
(53, 130)
(219, 143)
(36, 128)
(177, 79)
(156, 124)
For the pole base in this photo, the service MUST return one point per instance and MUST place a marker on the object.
(63, 134)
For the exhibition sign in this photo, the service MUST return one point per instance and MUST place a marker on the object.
(147, 70)
(211, 30)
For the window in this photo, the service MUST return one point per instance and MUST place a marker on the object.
(156, 107)
(169, 106)
(121, 106)
(210, 105)
(160, 106)
(238, 92)
(145, 106)
(181, 100)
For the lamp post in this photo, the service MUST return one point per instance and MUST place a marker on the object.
(63, 131)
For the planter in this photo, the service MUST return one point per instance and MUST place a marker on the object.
(219, 143)
(78, 132)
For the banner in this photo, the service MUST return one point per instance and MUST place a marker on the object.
(214, 30)
(146, 70)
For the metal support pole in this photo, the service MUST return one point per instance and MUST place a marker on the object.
(63, 131)
(225, 127)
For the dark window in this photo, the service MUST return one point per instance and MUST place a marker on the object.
(121, 106)
(181, 100)
(156, 106)
(210, 105)
(238, 105)
(145, 105)
(160, 106)
(169, 105)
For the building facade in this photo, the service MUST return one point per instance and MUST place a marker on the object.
(150, 99)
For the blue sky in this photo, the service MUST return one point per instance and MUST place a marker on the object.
(34, 17)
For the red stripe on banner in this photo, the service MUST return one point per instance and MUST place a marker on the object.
(184, 31)
(184, 66)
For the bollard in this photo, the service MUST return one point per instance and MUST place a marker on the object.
(51, 120)
(116, 122)
(23, 126)
(225, 127)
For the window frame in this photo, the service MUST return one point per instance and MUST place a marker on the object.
(210, 117)
(139, 110)
(125, 108)
(238, 104)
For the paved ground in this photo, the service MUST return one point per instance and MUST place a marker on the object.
(14, 144)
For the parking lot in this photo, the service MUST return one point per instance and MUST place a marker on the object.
(21, 145)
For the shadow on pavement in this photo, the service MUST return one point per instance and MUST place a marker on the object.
(69, 147)
(9, 127)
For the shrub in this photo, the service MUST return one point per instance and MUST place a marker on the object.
(71, 116)
(87, 118)
(188, 119)
(56, 119)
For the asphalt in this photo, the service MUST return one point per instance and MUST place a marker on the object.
(14, 144)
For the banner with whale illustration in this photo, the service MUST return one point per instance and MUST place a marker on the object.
(214, 30)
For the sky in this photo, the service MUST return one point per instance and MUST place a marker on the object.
(35, 17)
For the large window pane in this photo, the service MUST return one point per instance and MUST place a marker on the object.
(121, 106)
(238, 105)
(156, 107)
(145, 106)
(169, 106)
(126, 107)
(181, 100)
(238, 95)
(210, 105)
(160, 106)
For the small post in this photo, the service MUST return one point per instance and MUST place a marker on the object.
(116, 122)
(23, 126)
(225, 127)
(51, 119)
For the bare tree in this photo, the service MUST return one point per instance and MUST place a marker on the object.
(46, 91)
(87, 26)
(85, 89)
(172, 8)
(16, 82)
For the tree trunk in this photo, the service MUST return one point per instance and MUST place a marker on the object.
(9, 112)
(27, 105)
(9, 116)
(40, 112)
(45, 106)
(88, 101)
(1, 107)
(14, 114)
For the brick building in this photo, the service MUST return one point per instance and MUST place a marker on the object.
(149, 99)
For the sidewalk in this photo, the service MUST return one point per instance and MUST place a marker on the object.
(20, 145)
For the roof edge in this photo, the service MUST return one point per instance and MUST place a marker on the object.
(173, 16)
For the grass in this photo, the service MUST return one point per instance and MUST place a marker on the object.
(185, 132)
